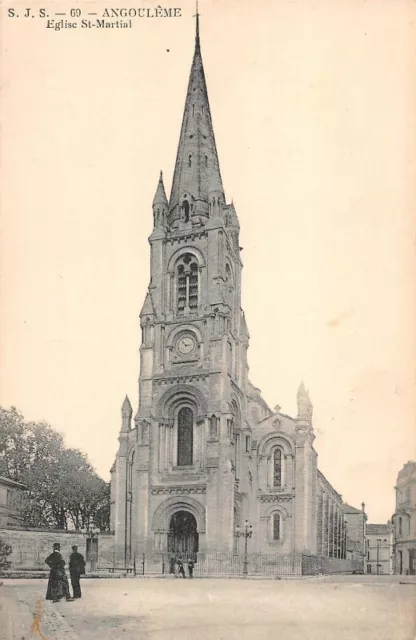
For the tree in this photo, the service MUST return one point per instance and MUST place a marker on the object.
(5, 551)
(63, 490)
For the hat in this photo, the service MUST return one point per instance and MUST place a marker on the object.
(74, 548)
(56, 545)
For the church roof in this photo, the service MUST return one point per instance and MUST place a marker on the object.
(160, 195)
(197, 170)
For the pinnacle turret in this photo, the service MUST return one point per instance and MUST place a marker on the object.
(126, 414)
(305, 407)
(160, 195)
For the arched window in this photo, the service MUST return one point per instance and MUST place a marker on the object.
(228, 284)
(277, 468)
(213, 428)
(187, 284)
(131, 466)
(276, 526)
(185, 437)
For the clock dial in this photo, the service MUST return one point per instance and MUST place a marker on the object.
(186, 344)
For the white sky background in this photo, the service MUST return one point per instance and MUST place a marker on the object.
(313, 105)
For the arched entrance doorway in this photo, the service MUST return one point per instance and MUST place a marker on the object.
(183, 534)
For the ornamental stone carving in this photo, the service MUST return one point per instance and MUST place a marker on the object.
(276, 498)
(178, 490)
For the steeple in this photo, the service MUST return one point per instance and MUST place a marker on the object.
(197, 172)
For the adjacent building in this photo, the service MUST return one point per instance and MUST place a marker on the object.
(10, 502)
(356, 520)
(379, 548)
(404, 520)
(203, 452)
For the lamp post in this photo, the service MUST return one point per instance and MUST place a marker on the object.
(246, 532)
(91, 533)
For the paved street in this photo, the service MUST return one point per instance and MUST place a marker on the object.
(336, 608)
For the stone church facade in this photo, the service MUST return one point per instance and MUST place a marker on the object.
(204, 452)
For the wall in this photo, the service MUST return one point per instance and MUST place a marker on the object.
(356, 545)
(313, 565)
(30, 547)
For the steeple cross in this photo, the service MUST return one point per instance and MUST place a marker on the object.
(196, 15)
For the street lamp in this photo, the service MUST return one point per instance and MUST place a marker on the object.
(378, 555)
(246, 532)
(91, 533)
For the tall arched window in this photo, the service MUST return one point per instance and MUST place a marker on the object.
(131, 466)
(228, 284)
(187, 284)
(185, 437)
(276, 526)
(277, 468)
(213, 427)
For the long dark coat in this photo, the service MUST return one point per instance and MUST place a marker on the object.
(58, 586)
(76, 570)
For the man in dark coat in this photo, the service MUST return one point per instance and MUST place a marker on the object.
(58, 586)
(191, 567)
(76, 570)
(181, 567)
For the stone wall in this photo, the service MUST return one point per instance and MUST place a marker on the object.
(313, 565)
(30, 547)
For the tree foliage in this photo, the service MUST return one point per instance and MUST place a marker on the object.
(62, 489)
(5, 550)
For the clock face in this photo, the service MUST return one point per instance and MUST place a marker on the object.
(186, 344)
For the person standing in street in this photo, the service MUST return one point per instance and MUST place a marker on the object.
(76, 570)
(58, 586)
(181, 568)
(191, 567)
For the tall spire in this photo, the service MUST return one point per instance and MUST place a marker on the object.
(197, 171)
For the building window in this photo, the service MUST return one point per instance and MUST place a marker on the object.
(277, 468)
(400, 527)
(237, 455)
(276, 526)
(187, 284)
(213, 427)
(247, 444)
(185, 437)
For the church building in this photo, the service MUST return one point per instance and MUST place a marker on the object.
(204, 452)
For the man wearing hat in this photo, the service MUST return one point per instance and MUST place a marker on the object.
(76, 570)
(58, 586)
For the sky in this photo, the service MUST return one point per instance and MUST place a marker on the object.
(313, 106)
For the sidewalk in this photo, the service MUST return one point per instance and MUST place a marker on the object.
(24, 616)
